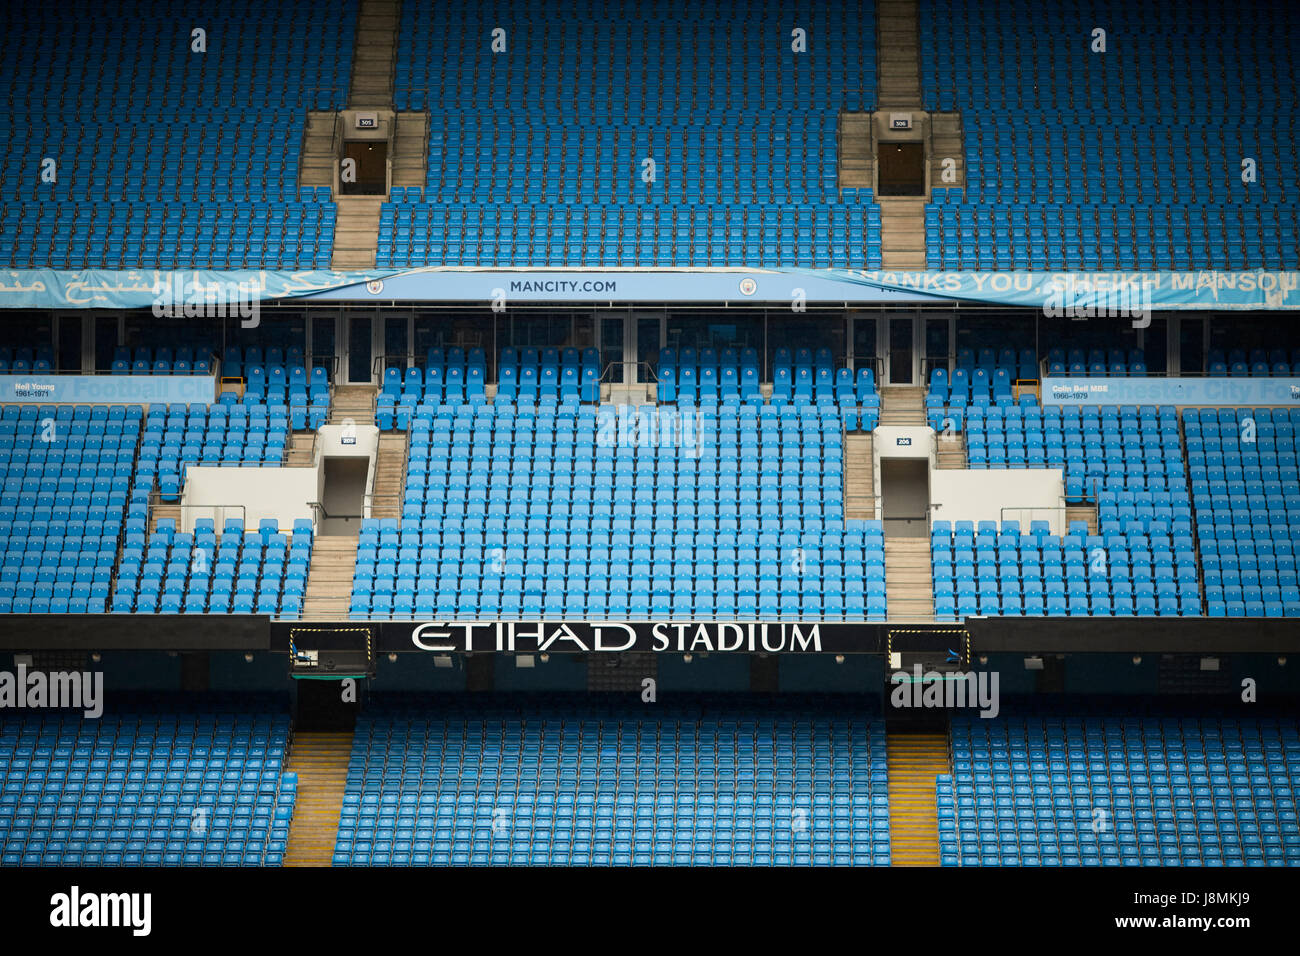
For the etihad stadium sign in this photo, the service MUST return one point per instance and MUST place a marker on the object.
(611, 637)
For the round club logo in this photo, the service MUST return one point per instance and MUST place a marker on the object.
(748, 286)
(375, 286)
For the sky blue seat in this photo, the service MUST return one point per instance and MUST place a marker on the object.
(1067, 769)
(244, 745)
(847, 824)
(1068, 218)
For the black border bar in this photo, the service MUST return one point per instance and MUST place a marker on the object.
(1073, 635)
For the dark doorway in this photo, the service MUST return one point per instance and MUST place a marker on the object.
(611, 348)
(936, 344)
(901, 169)
(344, 495)
(864, 344)
(322, 343)
(371, 157)
(647, 349)
(1191, 345)
(359, 350)
(905, 497)
(105, 342)
(70, 343)
(396, 352)
(322, 707)
(900, 351)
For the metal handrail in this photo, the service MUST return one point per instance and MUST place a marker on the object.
(108, 371)
(121, 532)
(424, 153)
(839, 157)
(1182, 373)
(843, 445)
(927, 516)
(929, 155)
(928, 365)
(406, 459)
(391, 148)
(875, 158)
(242, 509)
(412, 359)
(369, 499)
(367, 508)
(323, 513)
(875, 507)
(332, 365)
(1024, 514)
(623, 364)
(315, 440)
(218, 522)
(961, 133)
(874, 362)
(334, 149)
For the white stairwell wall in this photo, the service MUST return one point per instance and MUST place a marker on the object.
(285, 494)
(978, 494)
(224, 493)
(998, 494)
(333, 444)
(903, 441)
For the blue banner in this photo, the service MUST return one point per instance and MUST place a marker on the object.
(1130, 296)
(106, 389)
(1171, 391)
(170, 294)
(1085, 295)
(501, 287)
